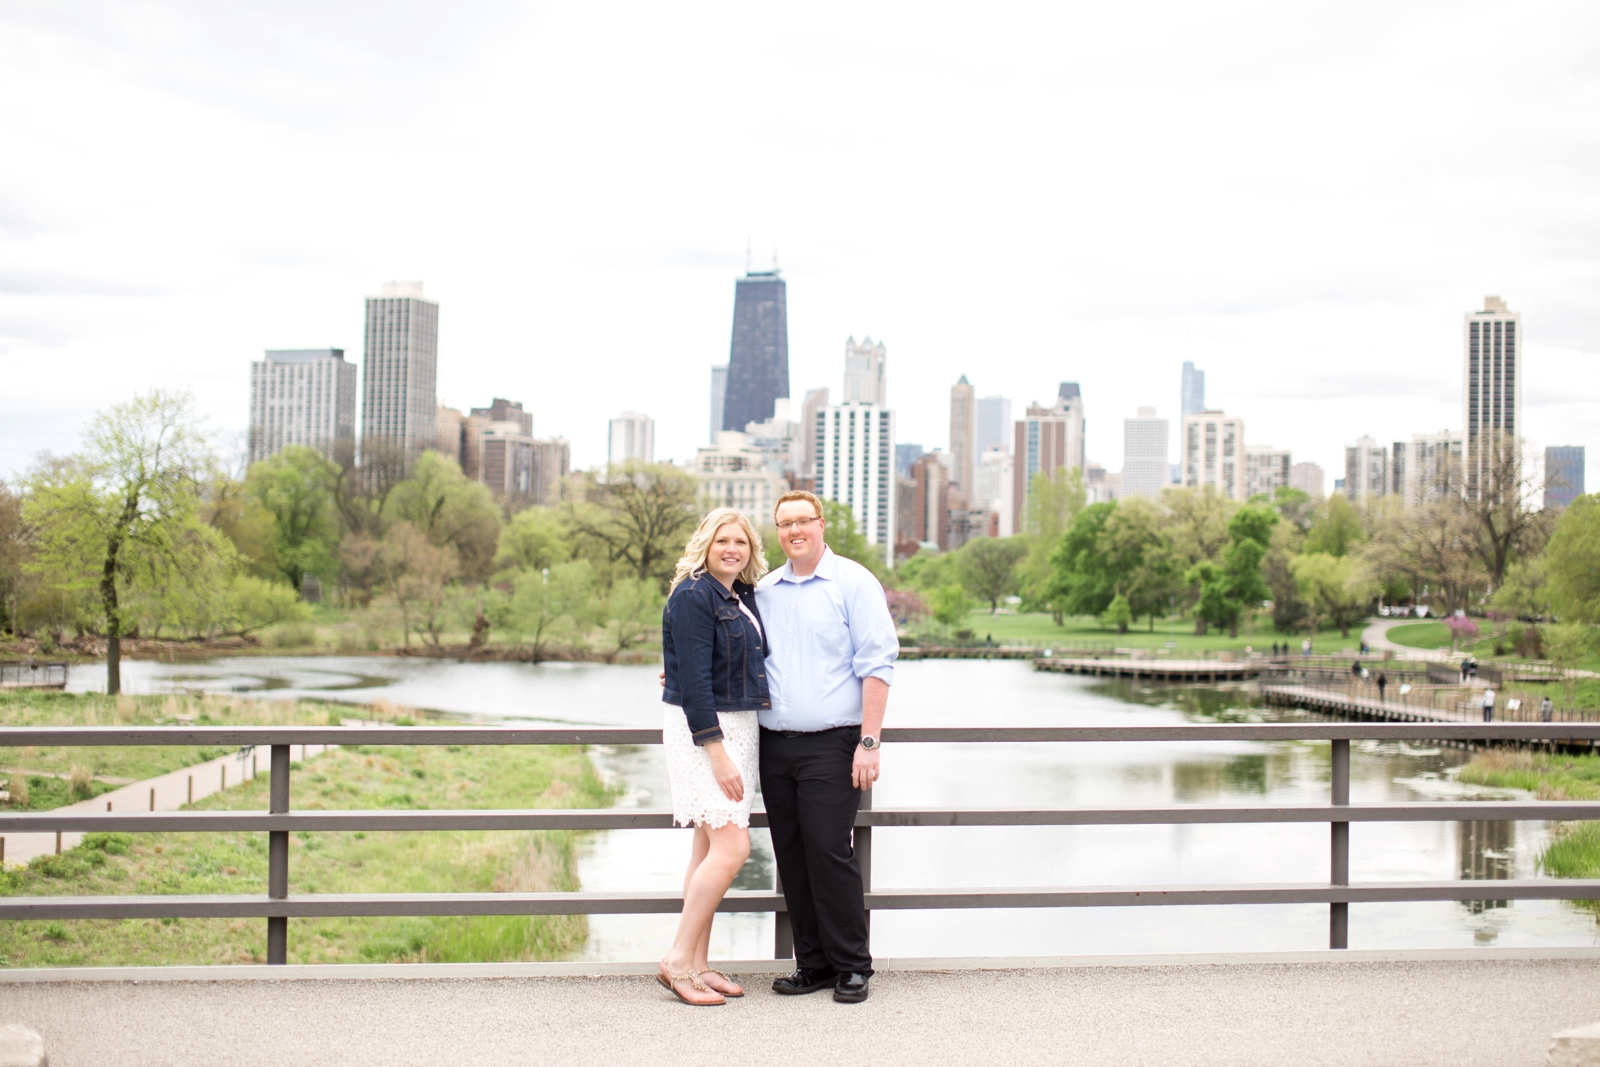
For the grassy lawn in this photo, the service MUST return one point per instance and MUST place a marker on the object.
(1546, 775)
(1039, 629)
(71, 709)
(1421, 635)
(362, 777)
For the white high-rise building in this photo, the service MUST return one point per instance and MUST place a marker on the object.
(1192, 399)
(1491, 387)
(1213, 453)
(1145, 471)
(815, 400)
(854, 465)
(301, 397)
(632, 438)
(994, 423)
(1426, 468)
(1366, 470)
(865, 375)
(400, 400)
(1309, 478)
(963, 434)
(778, 439)
(1266, 470)
(719, 395)
(995, 487)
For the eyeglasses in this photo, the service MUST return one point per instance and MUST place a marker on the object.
(785, 527)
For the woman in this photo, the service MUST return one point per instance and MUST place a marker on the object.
(714, 652)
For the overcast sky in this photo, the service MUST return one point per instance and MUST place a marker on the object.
(1303, 198)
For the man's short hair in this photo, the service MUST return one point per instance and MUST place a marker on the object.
(797, 494)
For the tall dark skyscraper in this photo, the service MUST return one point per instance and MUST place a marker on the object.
(758, 361)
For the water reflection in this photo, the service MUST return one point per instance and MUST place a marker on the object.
(1126, 774)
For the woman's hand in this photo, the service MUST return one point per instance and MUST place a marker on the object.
(725, 771)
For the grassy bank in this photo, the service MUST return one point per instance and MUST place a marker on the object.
(361, 777)
(1039, 628)
(47, 769)
(1575, 852)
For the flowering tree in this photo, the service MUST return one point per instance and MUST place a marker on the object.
(1462, 629)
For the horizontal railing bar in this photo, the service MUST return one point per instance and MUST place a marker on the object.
(17, 736)
(638, 819)
(244, 906)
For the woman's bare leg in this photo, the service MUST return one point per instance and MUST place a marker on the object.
(710, 874)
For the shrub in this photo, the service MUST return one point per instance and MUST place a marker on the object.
(113, 844)
(81, 783)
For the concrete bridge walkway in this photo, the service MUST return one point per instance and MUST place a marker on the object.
(1395, 1009)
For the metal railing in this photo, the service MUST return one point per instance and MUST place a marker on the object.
(278, 906)
(43, 675)
(1445, 703)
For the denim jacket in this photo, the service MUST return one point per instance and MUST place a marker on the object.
(715, 658)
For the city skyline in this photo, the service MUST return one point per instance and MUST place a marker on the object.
(1240, 266)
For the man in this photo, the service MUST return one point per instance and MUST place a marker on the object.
(1488, 705)
(832, 661)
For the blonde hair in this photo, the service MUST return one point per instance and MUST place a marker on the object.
(693, 563)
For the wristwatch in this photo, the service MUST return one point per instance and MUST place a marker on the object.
(869, 742)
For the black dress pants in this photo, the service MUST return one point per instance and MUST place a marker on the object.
(811, 808)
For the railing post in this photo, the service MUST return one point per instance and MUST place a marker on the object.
(863, 843)
(278, 857)
(782, 932)
(1339, 913)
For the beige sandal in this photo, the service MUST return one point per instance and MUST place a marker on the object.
(671, 981)
(725, 978)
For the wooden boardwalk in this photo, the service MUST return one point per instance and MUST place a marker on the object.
(1348, 705)
(1159, 670)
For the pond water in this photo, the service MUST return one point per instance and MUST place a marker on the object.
(1010, 693)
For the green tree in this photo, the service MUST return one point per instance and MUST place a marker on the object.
(950, 604)
(1572, 560)
(846, 539)
(293, 488)
(1114, 550)
(1118, 614)
(1227, 591)
(629, 613)
(1054, 500)
(927, 571)
(449, 510)
(1337, 529)
(112, 518)
(1084, 581)
(988, 567)
(534, 539)
(1337, 588)
(547, 606)
(637, 520)
(417, 574)
(15, 538)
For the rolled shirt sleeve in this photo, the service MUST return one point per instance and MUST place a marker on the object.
(871, 628)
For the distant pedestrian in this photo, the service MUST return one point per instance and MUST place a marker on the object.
(1546, 710)
(1383, 683)
(1355, 668)
(1488, 705)
(1463, 672)
(1305, 647)
(1472, 669)
(1365, 648)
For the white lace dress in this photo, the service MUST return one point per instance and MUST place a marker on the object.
(696, 797)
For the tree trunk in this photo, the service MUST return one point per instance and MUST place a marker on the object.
(1122, 627)
(1199, 627)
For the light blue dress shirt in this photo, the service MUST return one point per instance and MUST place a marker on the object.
(827, 632)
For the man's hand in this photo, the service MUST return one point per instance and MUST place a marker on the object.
(864, 769)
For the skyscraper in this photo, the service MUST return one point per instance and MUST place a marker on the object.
(866, 378)
(1491, 387)
(1563, 472)
(1192, 400)
(994, 424)
(399, 402)
(502, 410)
(1309, 478)
(1266, 470)
(1213, 453)
(301, 397)
(1144, 455)
(758, 358)
(963, 434)
(855, 466)
(815, 401)
(1366, 470)
(1045, 439)
(1426, 468)
(632, 439)
(719, 396)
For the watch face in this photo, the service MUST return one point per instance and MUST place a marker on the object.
(869, 743)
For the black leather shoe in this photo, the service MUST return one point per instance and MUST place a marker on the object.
(851, 989)
(805, 980)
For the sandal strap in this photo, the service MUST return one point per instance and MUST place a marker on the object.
(693, 978)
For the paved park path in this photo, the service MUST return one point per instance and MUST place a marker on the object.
(1472, 1007)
